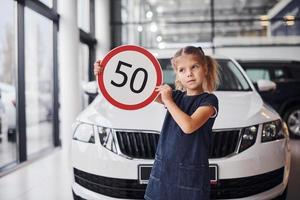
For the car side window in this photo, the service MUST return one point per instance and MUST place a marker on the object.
(279, 74)
(168, 72)
(257, 74)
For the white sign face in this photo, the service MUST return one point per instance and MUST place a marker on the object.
(129, 77)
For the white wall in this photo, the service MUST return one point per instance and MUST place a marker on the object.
(102, 31)
(268, 52)
(279, 47)
(68, 44)
(68, 51)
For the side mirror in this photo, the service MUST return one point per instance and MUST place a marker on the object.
(90, 88)
(266, 85)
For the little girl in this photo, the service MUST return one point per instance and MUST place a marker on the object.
(181, 170)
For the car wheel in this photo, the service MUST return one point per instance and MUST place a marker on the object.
(292, 119)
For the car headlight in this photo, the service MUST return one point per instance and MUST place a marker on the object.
(107, 138)
(84, 133)
(272, 131)
(248, 137)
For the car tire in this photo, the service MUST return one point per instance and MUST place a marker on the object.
(292, 119)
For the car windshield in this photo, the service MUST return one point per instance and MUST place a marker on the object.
(231, 78)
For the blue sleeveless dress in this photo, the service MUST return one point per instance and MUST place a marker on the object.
(181, 170)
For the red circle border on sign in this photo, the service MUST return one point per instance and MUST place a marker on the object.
(149, 56)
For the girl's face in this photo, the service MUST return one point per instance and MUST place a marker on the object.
(190, 73)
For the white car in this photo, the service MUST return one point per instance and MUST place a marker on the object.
(113, 150)
(8, 97)
(39, 109)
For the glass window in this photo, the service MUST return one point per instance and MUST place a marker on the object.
(231, 78)
(160, 23)
(258, 74)
(285, 22)
(83, 9)
(168, 72)
(83, 71)
(38, 81)
(8, 146)
(241, 18)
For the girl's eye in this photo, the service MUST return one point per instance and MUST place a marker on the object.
(195, 66)
(180, 70)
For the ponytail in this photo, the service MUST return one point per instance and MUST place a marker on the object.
(211, 81)
(212, 74)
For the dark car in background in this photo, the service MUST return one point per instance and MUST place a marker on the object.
(285, 99)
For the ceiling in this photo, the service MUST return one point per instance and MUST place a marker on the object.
(191, 20)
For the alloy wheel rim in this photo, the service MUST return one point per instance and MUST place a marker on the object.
(293, 122)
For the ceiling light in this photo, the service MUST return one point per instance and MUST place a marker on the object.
(264, 20)
(264, 17)
(160, 9)
(289, 20)
(289, 17)
(153, 27)
(162, 45)
(139, 28)
(159, 38)
(149, 14)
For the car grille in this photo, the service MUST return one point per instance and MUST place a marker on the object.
(138, 144)
(224, 143)
(243, 187)
(113, 187)
(143, 144)
(224, 189)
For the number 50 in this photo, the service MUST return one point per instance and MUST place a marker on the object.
(125, 77)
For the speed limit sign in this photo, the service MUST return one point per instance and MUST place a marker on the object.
(129, 77)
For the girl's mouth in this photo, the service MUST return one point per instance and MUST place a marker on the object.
(190, 81)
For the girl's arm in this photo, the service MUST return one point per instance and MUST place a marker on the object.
(188, 124)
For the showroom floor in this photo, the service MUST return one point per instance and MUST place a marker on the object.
(49, 178)
(45, 179)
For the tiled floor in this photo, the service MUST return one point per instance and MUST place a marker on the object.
(45, 179)
(49, 178)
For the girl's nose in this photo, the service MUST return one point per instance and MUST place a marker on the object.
(189, 73)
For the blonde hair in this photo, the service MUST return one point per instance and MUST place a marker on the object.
(211, 81)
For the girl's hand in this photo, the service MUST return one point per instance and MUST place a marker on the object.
(165, 92)
(97, 67)
(158, 99)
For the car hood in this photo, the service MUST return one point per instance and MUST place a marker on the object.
(236, 109)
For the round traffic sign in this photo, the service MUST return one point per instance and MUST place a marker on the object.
(129, 77)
